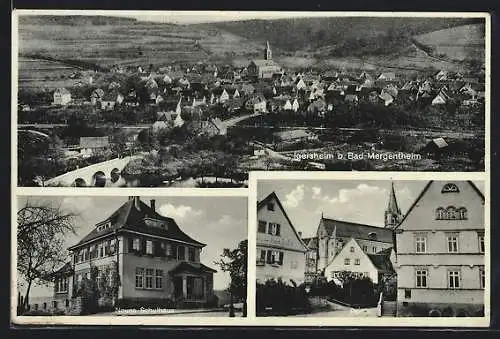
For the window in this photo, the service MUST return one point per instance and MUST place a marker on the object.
(101, 250)
(262, 227)
(347, 261)
(159, 279)
(136, 245)
(451, 213)
(168, 250)
(270, 206)
(191, 254)
(66, 303)
(112, 246)
(482, 278)
(181, 253)
(440, 213)
(149, 277)
(421, 278)
(274, 257)
(85, 254)
(452, 240)
(374, 249)
(481, 242)
(365, 248)
(421, 243)
(274, 229)
(450, 188)
(454, 279)
(262, 257)
(149, 247)
(139, 277)
(356, 262)
(407, 294)
(351, 249)
(462, 213)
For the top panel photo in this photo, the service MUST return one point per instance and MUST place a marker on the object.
(200, 99)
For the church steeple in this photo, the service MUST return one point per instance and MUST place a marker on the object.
(268, 54)
(392, 213)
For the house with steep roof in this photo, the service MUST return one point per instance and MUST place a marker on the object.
(154, 259)
(440, 252)
(281, 253)
(352, 258)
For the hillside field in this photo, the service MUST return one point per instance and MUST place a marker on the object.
(369, 43)
(457, 43)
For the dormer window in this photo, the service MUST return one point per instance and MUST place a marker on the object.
(372, 235)
(104, 226)
(155, 223)
(450, 188)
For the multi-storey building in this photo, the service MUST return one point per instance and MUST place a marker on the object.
(440, 250)
(281, 253)
(155, 261)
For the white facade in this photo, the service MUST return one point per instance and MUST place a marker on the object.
(281, 254)
(353, 259)
(440, 247)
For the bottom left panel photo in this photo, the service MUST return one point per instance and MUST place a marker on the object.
(138, 255)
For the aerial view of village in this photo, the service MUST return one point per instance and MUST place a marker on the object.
(124, 101)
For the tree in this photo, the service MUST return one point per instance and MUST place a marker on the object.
(235, 262)
(41, 228)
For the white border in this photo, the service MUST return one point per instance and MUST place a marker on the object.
(251, 320)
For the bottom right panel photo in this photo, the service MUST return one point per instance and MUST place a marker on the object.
(370, 248)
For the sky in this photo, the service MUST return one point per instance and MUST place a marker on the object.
(219, 222)
(194, 17)
(357, 201)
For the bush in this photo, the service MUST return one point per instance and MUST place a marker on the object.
(277, 298)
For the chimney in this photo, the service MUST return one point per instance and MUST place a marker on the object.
(153, 205)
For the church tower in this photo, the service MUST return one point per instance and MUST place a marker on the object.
(268, 54)
(393, 214)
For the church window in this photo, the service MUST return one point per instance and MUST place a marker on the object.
(450, 188)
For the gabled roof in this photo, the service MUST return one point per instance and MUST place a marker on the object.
(192, 267)
(347, 229)
(263, 203)
(425, 190)
(130, 217)
(382, 262)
